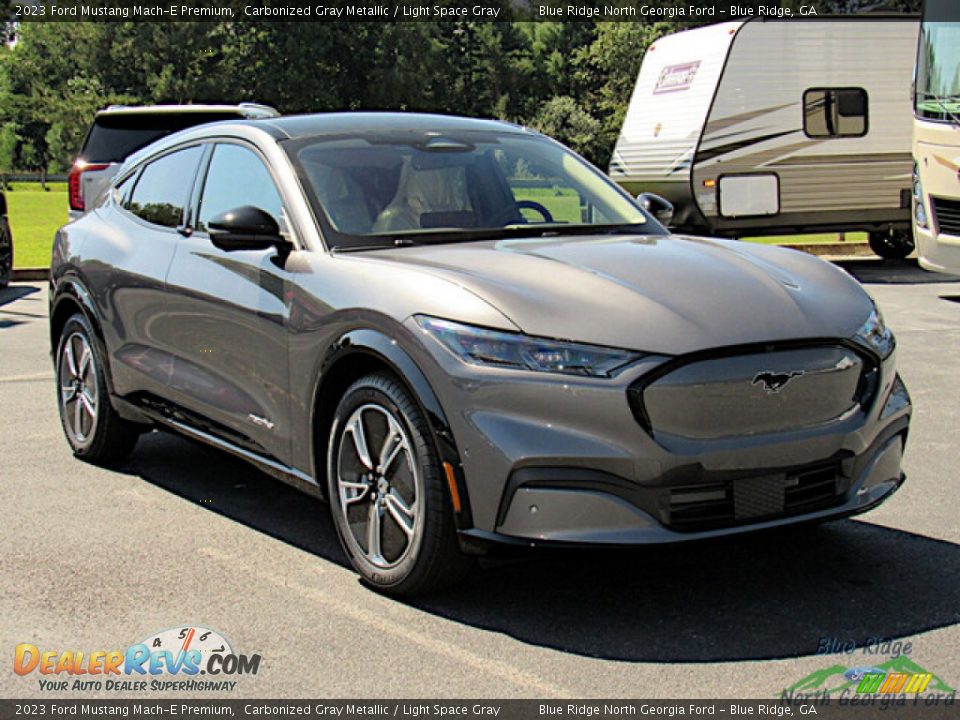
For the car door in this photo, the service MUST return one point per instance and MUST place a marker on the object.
(128, 276)
(228, 312)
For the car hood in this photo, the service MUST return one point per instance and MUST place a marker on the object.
(663, 294)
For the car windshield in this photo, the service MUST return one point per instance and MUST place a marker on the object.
(938, 71)
(412, 188)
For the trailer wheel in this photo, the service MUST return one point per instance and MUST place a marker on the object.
(891, 244)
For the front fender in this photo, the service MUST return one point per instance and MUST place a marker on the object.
(69, 290)
(376, 344)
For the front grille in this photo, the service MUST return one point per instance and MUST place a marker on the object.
(751, 391)
(946, 214)
(739, 502)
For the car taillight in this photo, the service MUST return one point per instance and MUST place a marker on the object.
(76, 190)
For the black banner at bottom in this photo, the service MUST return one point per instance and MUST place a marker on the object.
(821, 708)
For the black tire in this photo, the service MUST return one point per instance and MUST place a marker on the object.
(6, 252)
(99, 436)
(408, 486)
(891, 246)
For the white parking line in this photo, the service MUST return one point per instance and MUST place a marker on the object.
(35, 377)
(503, 671)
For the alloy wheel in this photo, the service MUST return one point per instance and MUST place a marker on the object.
(380, 486)
(79, 391)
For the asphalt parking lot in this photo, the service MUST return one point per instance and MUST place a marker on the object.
(180, 534)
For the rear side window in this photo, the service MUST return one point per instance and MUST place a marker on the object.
(835, 112)
(116, 135)
(237, 177)
(161, 192)
(122, 192)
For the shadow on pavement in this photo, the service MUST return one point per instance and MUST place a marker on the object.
(765, 596)
(893, 272)
(14, 292)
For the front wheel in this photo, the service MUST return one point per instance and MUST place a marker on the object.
(93, 428)
(387, 498)
(891, 245)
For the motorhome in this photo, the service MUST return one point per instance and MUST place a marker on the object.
(772, 127)
(936, 138)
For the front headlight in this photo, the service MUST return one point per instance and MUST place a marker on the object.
(479, 346)
(876, 335)
(919, 210)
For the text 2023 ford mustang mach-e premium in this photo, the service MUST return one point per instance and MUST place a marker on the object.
(460, 333)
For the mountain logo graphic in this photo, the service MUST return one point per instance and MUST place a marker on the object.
(897, 675)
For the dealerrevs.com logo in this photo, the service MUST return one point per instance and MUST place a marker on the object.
(188, 658)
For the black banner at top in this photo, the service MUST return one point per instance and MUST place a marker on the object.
(644, 11)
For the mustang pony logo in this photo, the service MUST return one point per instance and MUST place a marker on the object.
(775, 382)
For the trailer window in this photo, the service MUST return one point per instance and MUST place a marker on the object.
(835, 112)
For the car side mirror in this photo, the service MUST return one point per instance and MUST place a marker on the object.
(245, 228)
(659, 207)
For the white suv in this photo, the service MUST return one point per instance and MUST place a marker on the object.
(120, 130)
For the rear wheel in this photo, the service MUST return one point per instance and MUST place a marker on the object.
(891, 245)
(387, 497)
(6, 252)
(93, 428)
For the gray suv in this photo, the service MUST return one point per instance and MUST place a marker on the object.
(121, 130)
(462, 335)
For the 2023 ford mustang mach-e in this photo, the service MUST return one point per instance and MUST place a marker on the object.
(460, 333)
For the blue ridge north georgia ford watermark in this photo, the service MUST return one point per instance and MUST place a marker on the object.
(880, 672)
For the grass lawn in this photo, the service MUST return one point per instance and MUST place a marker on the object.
(563, 205)
(34, 218)
(818, 239)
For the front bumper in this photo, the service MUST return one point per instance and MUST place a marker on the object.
(555, 459)
(938, 253)
(579, 514)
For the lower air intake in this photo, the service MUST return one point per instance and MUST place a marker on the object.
(739, 502)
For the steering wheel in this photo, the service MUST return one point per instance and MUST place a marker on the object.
(522, 205)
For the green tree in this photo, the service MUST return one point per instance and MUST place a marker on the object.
(607, 70)
(8, 151)
(563, 118)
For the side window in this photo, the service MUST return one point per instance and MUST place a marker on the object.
(161, 192)
(237, 177)
(122, 192)
(835, 112)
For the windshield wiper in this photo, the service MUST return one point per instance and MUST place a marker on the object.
(621, 229)
(387, 241)
(407, 239)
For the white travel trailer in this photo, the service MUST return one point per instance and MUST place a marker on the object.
(778, 126)
(936, 139)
